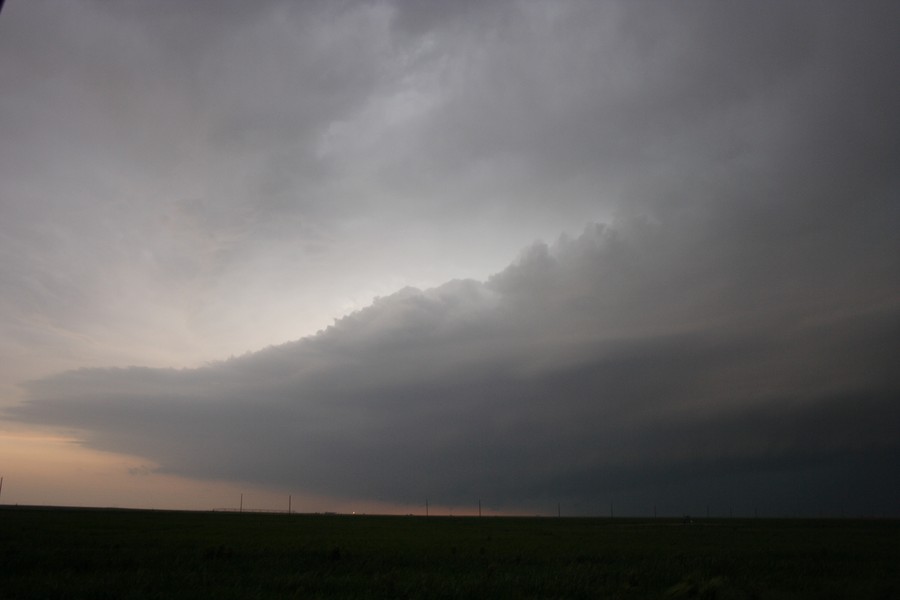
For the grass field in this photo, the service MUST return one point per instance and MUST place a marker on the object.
(97, 553)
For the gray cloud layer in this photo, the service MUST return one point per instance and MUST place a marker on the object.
(622, 362)
(726, 338)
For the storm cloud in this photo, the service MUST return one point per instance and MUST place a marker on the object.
(710, 318)
(617, 363)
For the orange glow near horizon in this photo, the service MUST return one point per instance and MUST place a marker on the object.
(51, 469)
(46, 468)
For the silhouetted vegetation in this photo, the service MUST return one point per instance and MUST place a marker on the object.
(71, 553)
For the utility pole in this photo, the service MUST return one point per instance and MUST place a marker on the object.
(241, 506)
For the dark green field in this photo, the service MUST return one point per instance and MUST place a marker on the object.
(87, 553)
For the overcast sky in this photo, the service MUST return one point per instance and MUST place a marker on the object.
(525, 252)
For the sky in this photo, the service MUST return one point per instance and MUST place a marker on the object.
(542, 255)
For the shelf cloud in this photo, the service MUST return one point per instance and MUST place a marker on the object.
(619, 362)
(571, 252)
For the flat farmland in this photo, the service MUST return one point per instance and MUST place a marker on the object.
(100, 553)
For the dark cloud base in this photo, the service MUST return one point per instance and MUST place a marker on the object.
(572, 376)
(730, 340)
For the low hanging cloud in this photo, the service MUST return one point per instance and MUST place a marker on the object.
(728, 337)
(630, 362)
